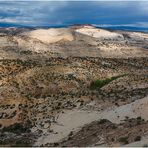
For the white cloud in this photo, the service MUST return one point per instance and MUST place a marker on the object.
(10, 20)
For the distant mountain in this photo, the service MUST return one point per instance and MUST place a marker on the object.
(10, 25)
(128, 28)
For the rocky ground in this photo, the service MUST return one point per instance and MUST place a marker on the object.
(76, 86)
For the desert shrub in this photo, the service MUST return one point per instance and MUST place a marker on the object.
(18, 128)
(138, 138)
(27, 52)
(15, 128)
(102, 121)
(123, 140)
(22, 143)
(139, 118)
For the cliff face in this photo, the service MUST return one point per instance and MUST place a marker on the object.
(46, 93)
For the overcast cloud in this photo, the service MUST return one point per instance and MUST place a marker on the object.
(50, 13)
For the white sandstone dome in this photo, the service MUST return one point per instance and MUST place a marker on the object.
(50, 35)
(100, 33)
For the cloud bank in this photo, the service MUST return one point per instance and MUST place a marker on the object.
(51, 13)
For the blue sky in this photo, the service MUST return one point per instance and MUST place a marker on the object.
(51, 13)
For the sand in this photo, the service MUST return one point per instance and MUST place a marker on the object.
(73, 120)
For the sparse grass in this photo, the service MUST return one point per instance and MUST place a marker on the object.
(100, 83)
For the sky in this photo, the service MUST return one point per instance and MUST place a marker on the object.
(54, 13)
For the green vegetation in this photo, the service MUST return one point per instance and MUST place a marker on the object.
(100, 83)
(18, 128)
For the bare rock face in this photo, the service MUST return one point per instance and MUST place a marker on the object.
(76, 86)
(50, 35)
(100, 34)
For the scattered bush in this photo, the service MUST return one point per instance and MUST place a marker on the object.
(123, 140)
(145, 145)
(138, 138)
(18, 128)
(102, 121)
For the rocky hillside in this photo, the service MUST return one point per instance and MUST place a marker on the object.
(76, 86)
